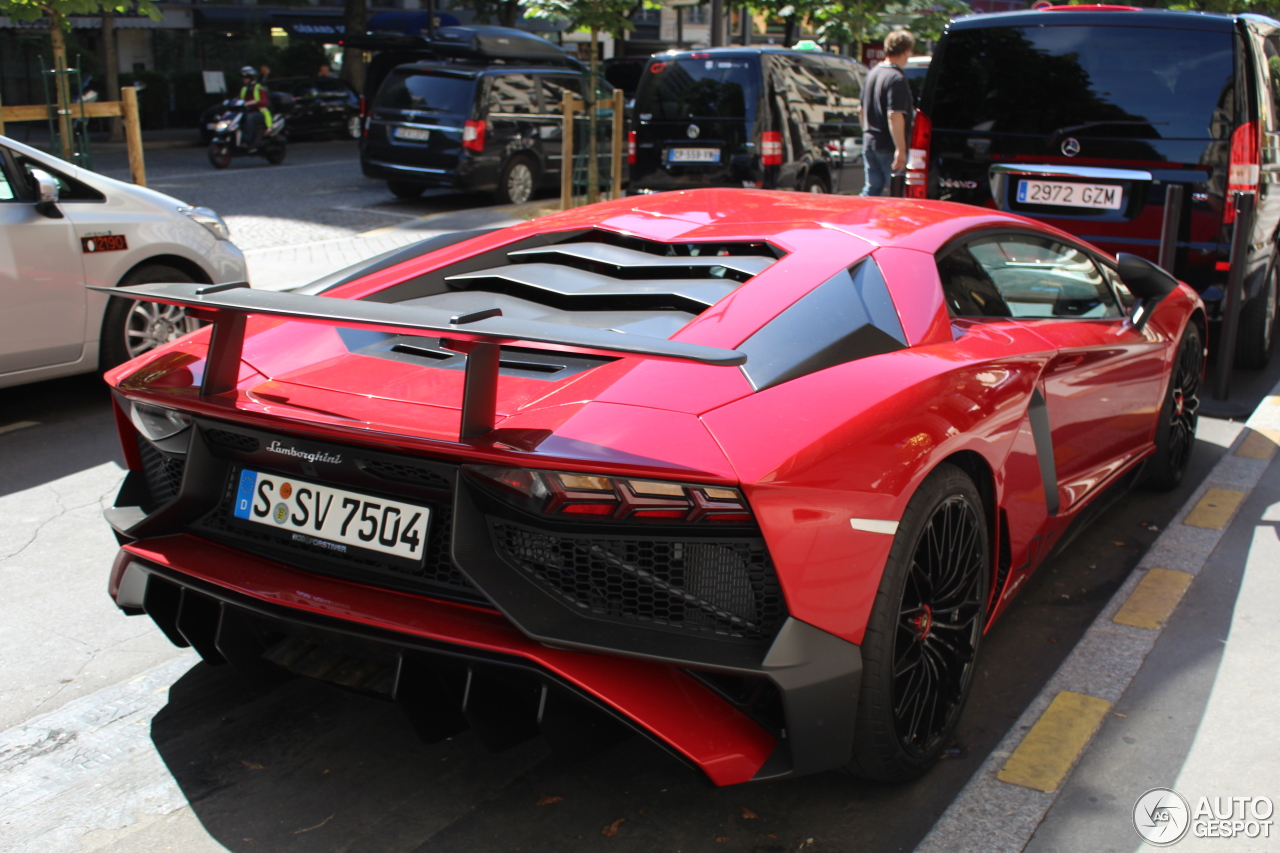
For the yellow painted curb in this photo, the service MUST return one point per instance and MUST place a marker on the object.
(1150, 604)
(1214, 509)
(1259, 444)
(1051, 748)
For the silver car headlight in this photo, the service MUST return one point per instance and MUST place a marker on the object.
(209, 219)
(223, 125)
(157, 423)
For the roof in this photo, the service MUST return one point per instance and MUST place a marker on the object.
(1162, 18)
(480, 68)
(739, 50)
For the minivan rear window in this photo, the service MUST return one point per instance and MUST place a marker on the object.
(413, 90)
(681, 89)
(1097, 81)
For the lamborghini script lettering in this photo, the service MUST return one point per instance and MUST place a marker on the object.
(317, 456)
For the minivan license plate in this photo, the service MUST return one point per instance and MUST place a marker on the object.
(415, 134)
(332, 518)
(1061, 194)
(693, 155)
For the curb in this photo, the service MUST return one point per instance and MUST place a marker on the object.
(1002, 805)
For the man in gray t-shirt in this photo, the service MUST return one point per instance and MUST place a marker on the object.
(887, 109)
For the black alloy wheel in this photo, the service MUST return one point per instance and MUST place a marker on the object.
(1176, 431)
(925, 630)
(939, 626)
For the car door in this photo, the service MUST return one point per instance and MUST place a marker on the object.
(332, 99)
(1103, 385)
(42, 295)
(307, 113)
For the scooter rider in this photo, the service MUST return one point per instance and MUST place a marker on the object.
(257, 112)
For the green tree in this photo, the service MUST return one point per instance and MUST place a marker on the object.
(57, 12)
(598, 16)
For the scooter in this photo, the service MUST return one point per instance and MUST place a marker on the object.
(227, 142)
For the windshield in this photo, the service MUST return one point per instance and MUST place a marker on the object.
(413, 90)
(681, 89)
(1118, 82)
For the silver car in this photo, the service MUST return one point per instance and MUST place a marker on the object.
(62, 228)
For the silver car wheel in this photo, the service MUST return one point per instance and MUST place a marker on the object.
(151, 324)
(520, 182)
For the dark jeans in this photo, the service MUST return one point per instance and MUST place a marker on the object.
(877, 165)
(251, 129)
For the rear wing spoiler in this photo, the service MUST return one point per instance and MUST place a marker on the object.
(479, 335)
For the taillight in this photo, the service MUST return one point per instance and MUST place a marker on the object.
(589, 497)
(364, 107)
(917, 185)
(473, 135)
(1244, 173)
(771, 148)
(631, 146)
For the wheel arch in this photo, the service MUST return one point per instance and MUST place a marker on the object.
(178, 262)
(979, 470)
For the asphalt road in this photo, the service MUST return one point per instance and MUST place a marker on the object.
(154, 751)
(318, 192)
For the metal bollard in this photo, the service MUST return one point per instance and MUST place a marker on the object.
(1170, 226)
(1234, 300)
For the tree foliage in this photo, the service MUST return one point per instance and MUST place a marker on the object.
(34, 10)
(599, 16)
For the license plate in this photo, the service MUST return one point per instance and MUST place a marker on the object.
(1060, 194)
(693, 155)
(415, 134)
(332, 518)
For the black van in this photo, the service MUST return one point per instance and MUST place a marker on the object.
(477, 122)
(748, 117)
(1082, 116)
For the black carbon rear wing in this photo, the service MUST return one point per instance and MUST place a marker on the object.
(479, 335)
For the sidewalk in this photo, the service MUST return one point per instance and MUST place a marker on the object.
(36, 134)
(284, 267)
(1174, 686)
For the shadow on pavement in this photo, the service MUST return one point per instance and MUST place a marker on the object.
(74, 430)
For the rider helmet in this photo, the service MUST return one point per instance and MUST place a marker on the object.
(250, 72)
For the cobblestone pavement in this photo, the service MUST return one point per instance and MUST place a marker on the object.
(318, 193)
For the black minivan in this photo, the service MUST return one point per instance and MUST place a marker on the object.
(1082, 116)
(476, 123)
(748, 117)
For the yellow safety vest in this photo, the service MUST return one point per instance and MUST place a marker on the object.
(248, 94)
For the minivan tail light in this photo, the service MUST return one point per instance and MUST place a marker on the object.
(631, 147)
(364, 107)
(771, 148)
(917, 184)
(1244, 173)
(473, 135)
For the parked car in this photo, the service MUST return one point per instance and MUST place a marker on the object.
(312, 105)
(63, 228)
(748, 117)
(471, 125)
(748, 472)
(1082, 116)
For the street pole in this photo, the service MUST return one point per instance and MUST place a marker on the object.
(717, 23)
(1244, 203)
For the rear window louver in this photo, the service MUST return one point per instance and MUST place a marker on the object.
(598, 272)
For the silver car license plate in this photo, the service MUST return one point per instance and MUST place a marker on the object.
(413, 134)
(1063, 194)
(693, 155)
(332, 518)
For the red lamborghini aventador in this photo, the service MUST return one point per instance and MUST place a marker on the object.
(749, 472)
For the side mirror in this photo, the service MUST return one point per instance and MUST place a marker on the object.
(46, 193)
(1148, 282)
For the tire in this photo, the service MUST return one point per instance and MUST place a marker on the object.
(925, 631)
(355, 128)
(518, 181)
(399, 189)
(131, 328)
(275, 152)
(1258, 322)
(815, 184)
(220, 155)
(1176, 430)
